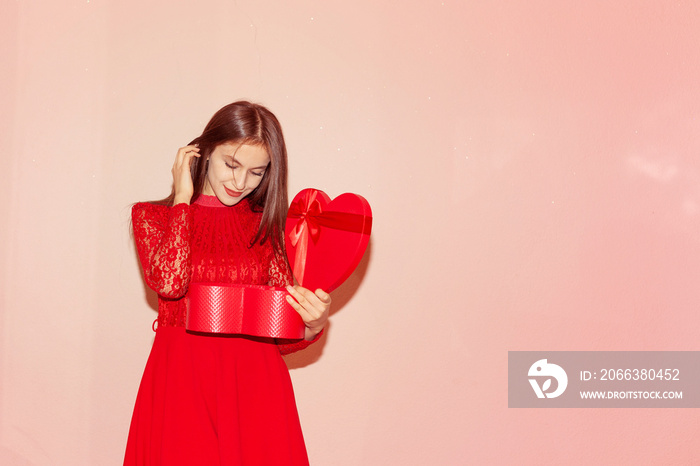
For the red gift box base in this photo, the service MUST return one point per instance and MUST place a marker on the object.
(254, 310)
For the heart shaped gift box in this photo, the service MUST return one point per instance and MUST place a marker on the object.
(325, 240)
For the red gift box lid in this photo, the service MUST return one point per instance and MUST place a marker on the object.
(326, 239)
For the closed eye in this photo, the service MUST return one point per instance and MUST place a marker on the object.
(232, 167)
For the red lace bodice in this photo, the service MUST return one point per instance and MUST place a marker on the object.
(203, 242)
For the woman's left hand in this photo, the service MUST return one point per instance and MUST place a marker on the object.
(313, 307)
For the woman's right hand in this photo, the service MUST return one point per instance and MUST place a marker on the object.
(182, 178)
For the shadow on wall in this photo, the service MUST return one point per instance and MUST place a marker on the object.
(341, 296)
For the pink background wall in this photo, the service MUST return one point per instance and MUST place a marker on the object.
(532, 167)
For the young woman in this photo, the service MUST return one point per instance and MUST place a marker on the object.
(220, 399)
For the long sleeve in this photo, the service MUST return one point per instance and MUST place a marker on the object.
(293, 347)
(278, 270)
(162, 238)
(281, 276)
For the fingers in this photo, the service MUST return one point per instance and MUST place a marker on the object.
(323, 296)
(320, 299)
(184, 156)
(300, 303)
(312, 307)
(182, 179)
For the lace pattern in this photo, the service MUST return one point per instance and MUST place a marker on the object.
(163, 247)
(203, 242)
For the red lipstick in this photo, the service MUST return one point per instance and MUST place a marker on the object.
(232, 193)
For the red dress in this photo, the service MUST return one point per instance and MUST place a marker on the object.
(210, 400)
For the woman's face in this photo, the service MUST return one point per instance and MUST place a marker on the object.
(234, 171)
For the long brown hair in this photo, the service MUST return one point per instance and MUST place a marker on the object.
(248, 123)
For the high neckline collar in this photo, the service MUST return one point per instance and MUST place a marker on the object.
(209, 201)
